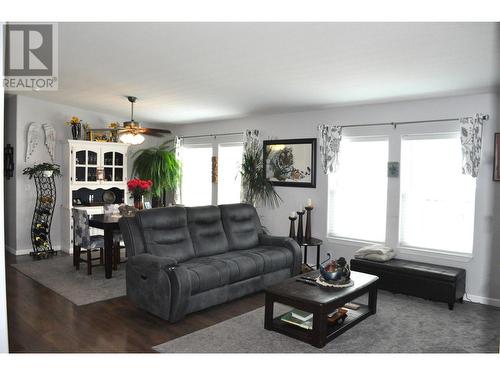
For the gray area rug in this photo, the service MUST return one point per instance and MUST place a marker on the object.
(59, 275)
(402, 324)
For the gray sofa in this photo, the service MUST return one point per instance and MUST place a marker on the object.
(185, 259)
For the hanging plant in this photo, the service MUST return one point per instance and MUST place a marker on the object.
(160, 165)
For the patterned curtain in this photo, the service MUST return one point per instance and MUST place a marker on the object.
(329, 146)
(251, 137)
(471, 139)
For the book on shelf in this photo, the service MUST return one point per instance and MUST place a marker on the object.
(288, 318)
(301, 315)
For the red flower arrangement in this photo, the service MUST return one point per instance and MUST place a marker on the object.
(138, 187)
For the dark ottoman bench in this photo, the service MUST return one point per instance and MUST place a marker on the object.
(430, 281)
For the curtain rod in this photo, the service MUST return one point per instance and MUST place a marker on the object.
(484, 117)
(210, 135)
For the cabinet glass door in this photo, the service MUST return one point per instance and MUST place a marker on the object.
(85, 165)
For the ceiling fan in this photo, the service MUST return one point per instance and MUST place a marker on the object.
(132, 132)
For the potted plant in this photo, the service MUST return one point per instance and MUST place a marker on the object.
(44, 169)
(160, 165)
(256, 188)
(138, 188)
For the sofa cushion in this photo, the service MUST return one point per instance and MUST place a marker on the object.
(210, 272)
(166, 233)
(241, 224)
(207, 233)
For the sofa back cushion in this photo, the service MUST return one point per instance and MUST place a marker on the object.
(241, 224)
(165, 232)
(207, 233)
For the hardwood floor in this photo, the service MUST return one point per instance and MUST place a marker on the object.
(41, 320)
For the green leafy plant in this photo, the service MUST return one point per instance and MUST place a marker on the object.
(40, 168)
(159, 165)
(256, 189)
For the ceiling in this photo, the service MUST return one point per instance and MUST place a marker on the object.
(192, 72)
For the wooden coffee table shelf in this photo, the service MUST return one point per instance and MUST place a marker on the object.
(320, 302)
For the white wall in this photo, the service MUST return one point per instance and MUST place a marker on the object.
(34, 110)
(483, 273)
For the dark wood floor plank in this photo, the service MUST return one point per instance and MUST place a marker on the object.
(41, 321)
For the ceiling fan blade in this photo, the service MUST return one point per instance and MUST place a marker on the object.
(107, 129)
(163, 131)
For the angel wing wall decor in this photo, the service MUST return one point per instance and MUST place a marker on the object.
(50, 140)
(34, 138)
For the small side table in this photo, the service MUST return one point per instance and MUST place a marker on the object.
(311, 242)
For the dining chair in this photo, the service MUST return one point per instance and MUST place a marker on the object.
(83, 240)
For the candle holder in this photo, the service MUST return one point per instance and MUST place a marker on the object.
(300, 229)
(308, 222)
(292, 226)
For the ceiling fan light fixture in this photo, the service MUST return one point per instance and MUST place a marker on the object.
(131, 139)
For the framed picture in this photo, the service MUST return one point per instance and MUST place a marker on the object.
(291, 162)
(99, 135)
(496, 156)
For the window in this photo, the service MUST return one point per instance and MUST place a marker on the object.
(358, 190)
(437, 200)
(228, 190)
(197, 188)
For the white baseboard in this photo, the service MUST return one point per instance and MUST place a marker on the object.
(27, 251)
(484, 300)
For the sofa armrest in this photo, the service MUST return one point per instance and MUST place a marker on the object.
(148, 283)
(286, 242)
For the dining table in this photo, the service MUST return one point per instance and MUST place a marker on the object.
(110, 225)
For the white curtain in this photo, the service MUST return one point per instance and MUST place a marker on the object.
(471, 137)
(329, 147)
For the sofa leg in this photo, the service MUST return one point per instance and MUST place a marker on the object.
(450, 305)
(461, 300)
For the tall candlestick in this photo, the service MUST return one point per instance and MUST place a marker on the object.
(292, 225)
(300, 229)
(308, 223)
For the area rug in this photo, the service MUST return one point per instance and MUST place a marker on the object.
(402, 324)
(59, 275)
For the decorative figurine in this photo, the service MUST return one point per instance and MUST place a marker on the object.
(336, 272)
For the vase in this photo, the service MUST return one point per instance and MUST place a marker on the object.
(76, 131)
(139, 202)
(73, 132)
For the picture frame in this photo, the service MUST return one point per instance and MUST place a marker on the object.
(99, 135)
(290, 162)
(496, 158)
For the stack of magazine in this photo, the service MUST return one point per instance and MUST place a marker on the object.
(299, 318)
(304, 319)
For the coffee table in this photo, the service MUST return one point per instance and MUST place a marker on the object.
(320, 302)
